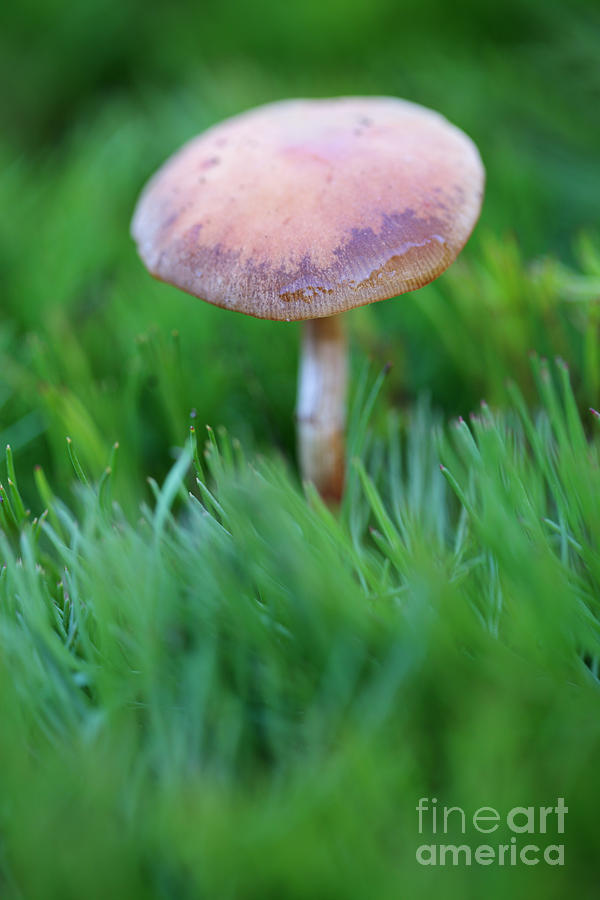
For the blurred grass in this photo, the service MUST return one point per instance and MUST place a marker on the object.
(241, 695)
(248, 699)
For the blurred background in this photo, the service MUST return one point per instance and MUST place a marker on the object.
(98, 94)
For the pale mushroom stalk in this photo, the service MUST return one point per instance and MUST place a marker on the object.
(321, 407)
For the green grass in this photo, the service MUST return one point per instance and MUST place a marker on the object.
(240, 694)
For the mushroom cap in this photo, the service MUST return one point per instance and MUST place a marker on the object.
(306, 208)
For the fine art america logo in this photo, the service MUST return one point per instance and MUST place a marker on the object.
(529, 827)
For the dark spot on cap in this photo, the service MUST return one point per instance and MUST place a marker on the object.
(210, 162)
(170, 220)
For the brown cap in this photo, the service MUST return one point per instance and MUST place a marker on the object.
(307, 208)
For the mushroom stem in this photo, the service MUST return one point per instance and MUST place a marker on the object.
(321, 408)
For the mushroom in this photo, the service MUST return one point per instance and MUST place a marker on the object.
(304, 209)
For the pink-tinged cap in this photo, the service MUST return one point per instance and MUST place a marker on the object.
(307, 208)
